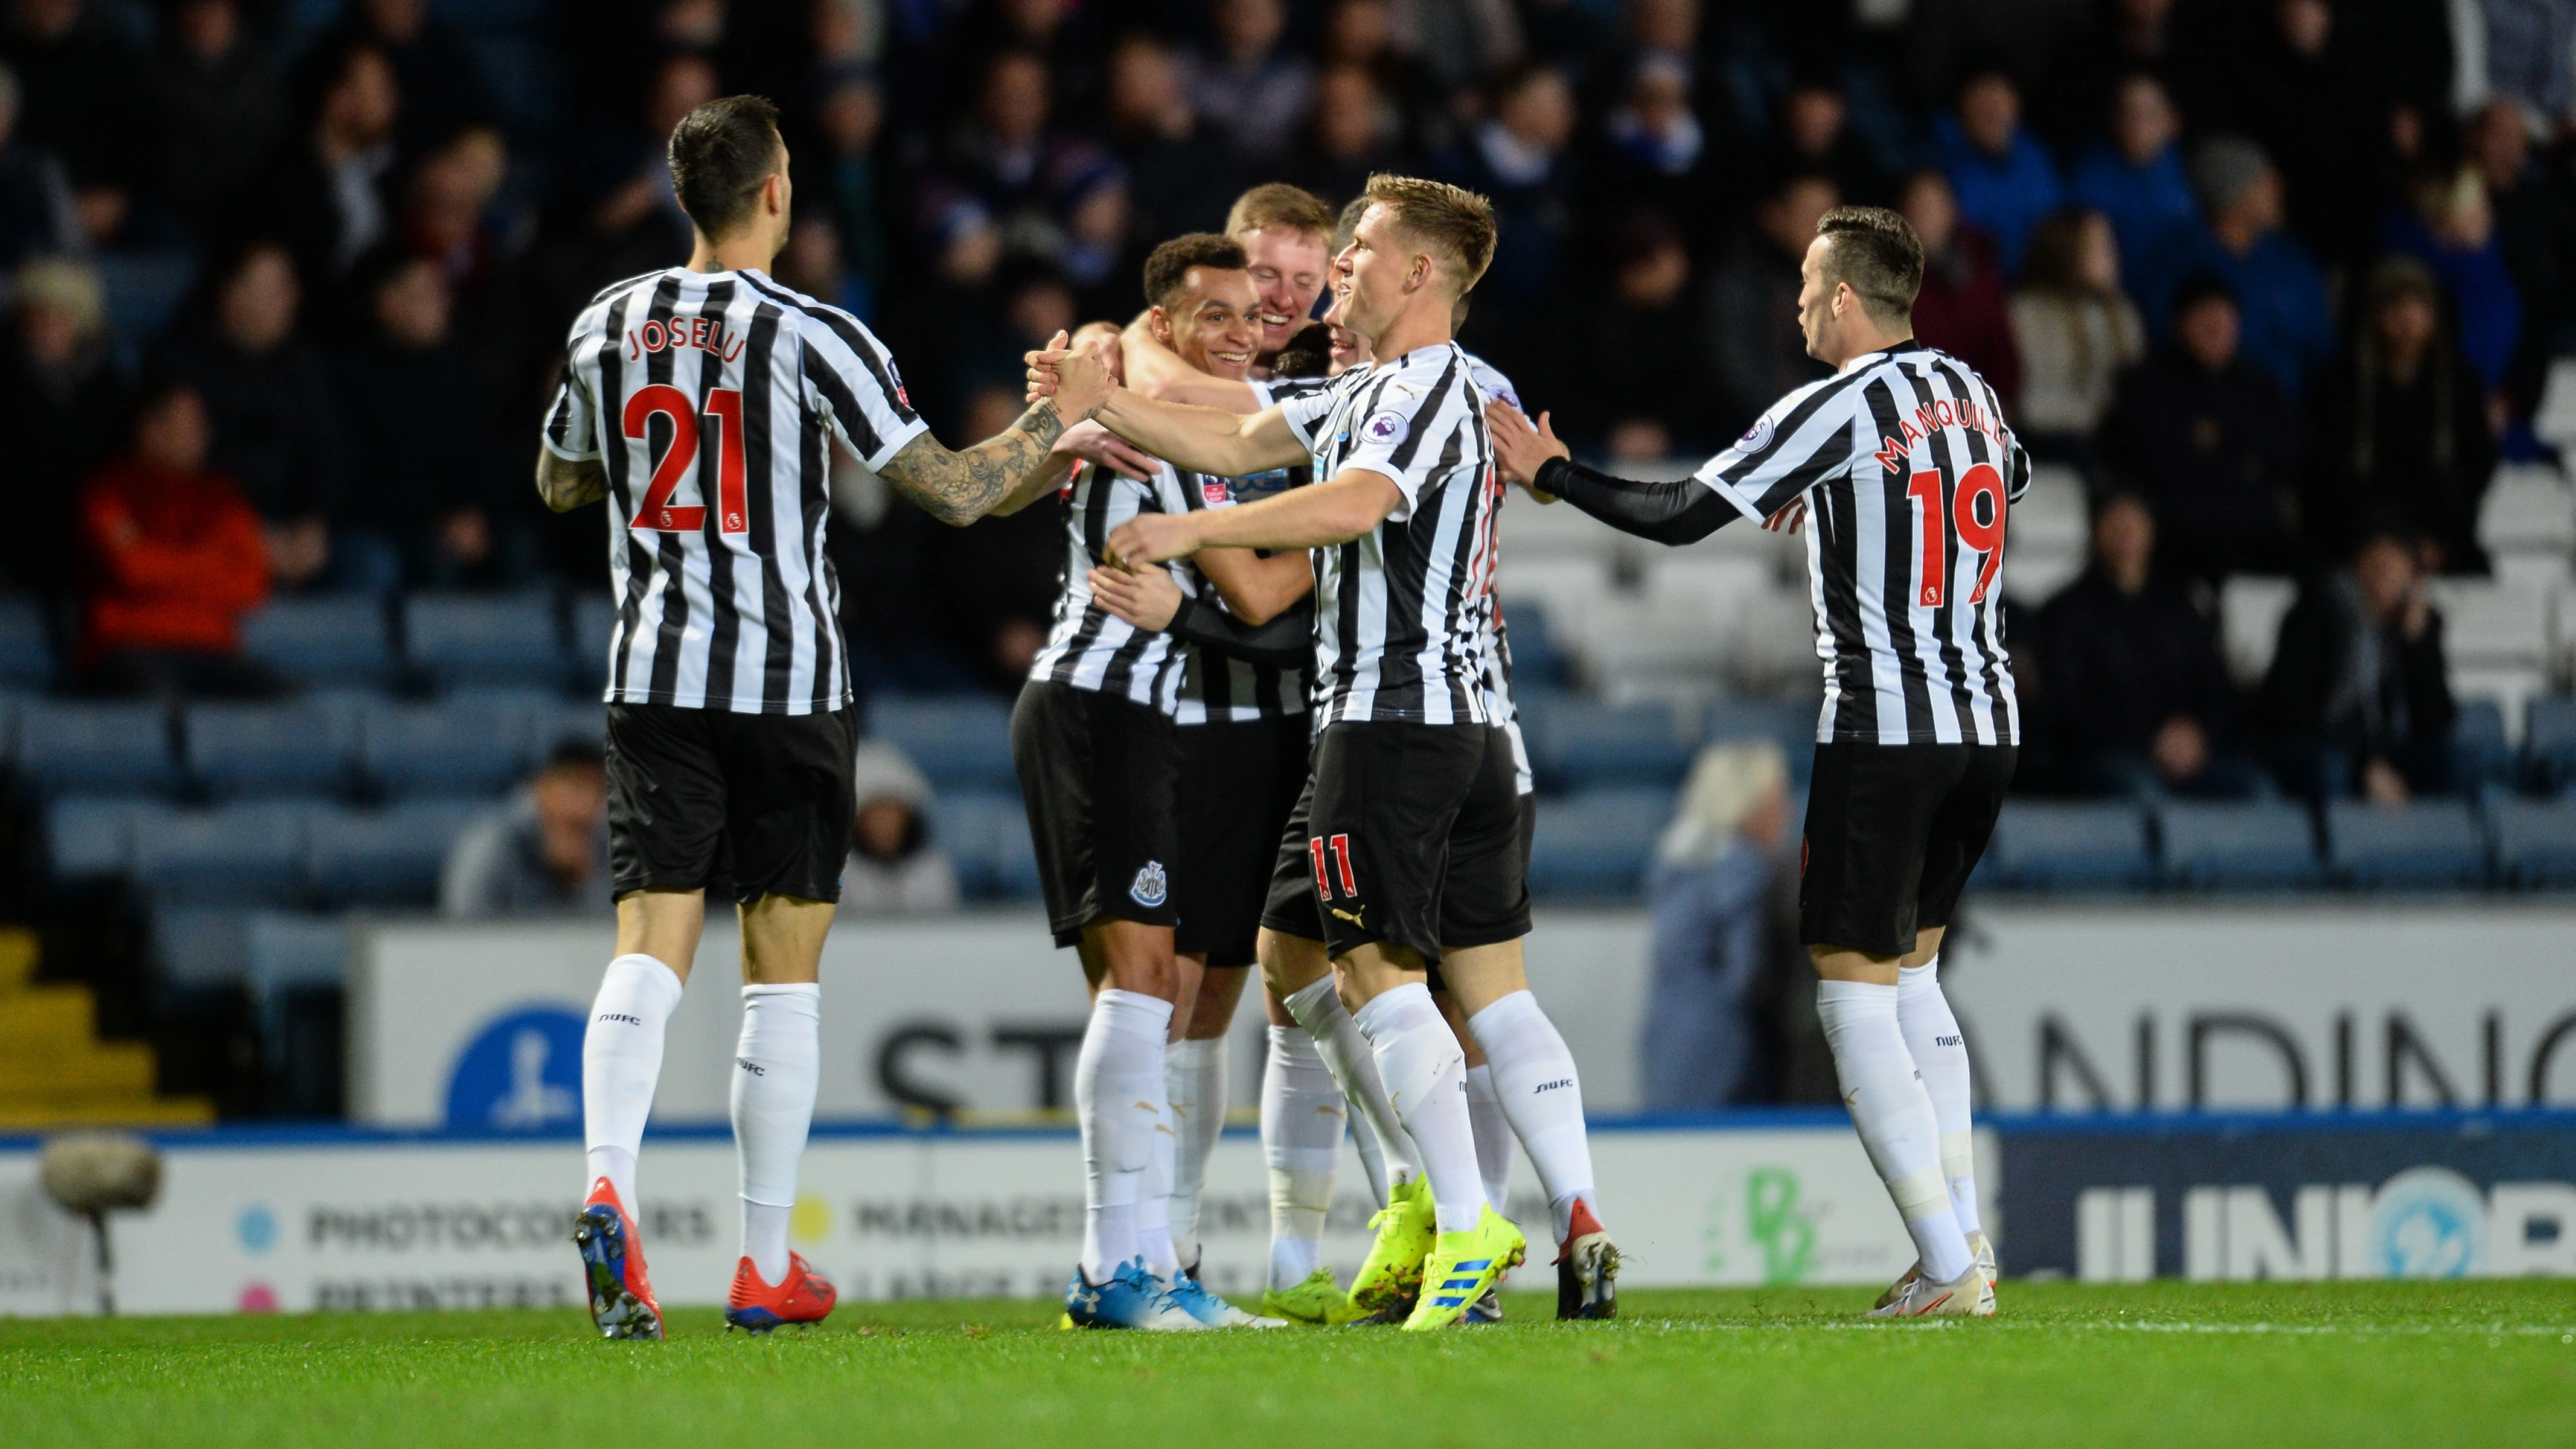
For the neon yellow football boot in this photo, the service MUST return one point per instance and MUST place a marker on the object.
(1392, 1272)
(1318, 1301)
(1462, 1266)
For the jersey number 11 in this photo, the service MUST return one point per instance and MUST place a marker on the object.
(657, 513)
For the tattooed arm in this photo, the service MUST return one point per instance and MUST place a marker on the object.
(567, 485)
(1002, 474)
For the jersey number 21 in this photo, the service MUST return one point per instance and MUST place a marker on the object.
(657, 513)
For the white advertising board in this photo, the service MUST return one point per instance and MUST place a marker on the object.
(255, 1222)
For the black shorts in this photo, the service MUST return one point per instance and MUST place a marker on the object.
(1239, 783)
(1892, 833)
(1098, 776)
(737, 805)
(1406, 830)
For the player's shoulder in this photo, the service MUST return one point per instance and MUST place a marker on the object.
(1490, 380)
(813, 316)
(594, 314)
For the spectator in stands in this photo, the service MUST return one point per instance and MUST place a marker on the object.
(275, 421)
(2280, 294)
(1362, 34)
(1354, 134)
(1521, 158)
(895, 868)
(37, 215)
(1960, 308)
(1760, 353)
(2003, 178)
(59, 396)
(441, 85)
(1181, 175)
(1815, 134)
(1627, 361)
(1702, 1045)
(2402, 441)
(174, 561)
(217, 107)
(427, 498)
(327, 197)
(2451, 228)
(450, 207)
(1657, 154)
(545, 852)
(2137, 694)
(850, 185)
(77, 73)
(2074, 331)
(2359, 697)
(2301, 88)
(1010, 164)
(2210, 442)
(2535, 221)
(2136, 179)
(2531, 59)
(1249, 85)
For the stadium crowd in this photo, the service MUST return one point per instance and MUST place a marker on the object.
(288, 285)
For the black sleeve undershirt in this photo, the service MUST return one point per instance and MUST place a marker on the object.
(1286, 642)
(1684, 511)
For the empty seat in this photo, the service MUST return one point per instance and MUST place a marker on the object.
(2487, 622)
(2510, 687)
(26, 650)
(324, 642)
(1577, 744)
(304, 748)
(1598, 844)
(2254, 845)
(2535, 841)
(2480, 753)
(2425, 845)
(2527, 510)
(474, 639)
(2549, 741)
(390, 857)
(2081, 845)
(593, 620)
(986, 835)
(1790, 724)
(89, 837)
(96, 749)
(285, 950)
(204, 945)
(961, 742)
(1537, 658)
(470, 744)
(234, 855)
(2249, 624)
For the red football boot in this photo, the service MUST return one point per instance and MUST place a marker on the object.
(612, 1264)
(1587, 1269)
(802, 1298)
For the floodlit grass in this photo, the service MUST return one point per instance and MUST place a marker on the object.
(2165, 1364)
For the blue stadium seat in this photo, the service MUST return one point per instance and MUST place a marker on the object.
(557, 721)
(328, 643)
(303, 748)
(286, 949)
(202, 945)
(2427, 844)
(96, 749)
(1597, 845)
(986, 835)
(389, 857)
(26, 649)
(2549, 741)
(593, 618)
(2078, 845)
(1790, 724)
(234, 855)
(2252, 845)
(2480, 754)
(1537, 658)
(472, 744)
(91, 837)
(1577, 744)
(960, 742)
(2535, 841)
(508, 640)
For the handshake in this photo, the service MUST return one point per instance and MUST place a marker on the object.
(1078, 373)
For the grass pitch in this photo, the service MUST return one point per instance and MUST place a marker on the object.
(2162, 1364)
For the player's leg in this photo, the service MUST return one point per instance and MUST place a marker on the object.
(1195, 1078)
(1118, 1086)
(1494, 1141)
(1303, 1113)
(1867, 814)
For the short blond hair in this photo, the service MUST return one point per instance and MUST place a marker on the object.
(1276, 205)
(66, 286)
(1455, 224)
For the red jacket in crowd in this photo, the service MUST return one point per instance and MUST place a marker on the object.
(176, 560)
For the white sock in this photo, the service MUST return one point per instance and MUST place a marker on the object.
(1154, 1204)
(1534, 1077)
(1302, 1115)
(1118, 1095)
(1941, 1055)
(1346, 1050)
(1425, 1072)
(776, 1066)
(1194, 1085)
(1493, 1131)
(1894, 1117)
(621, 1060)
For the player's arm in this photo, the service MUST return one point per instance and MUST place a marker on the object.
(1158, 372)
(1203, 440)
(1683, 511)
(568, 483)
(1148, 599)
(1001, 474)
(1256, 589)
(1338, 511)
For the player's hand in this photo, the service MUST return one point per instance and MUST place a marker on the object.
(1076, 378)
(1146, 598)
(1788, 518)
(1093, 443)
(1520, 449)
(1150, 538)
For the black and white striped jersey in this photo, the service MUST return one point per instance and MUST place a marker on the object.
(1906, 468)
(712, 399)
(1089, 647)
(1218, 686)
(1500, 708)
(1399, 611)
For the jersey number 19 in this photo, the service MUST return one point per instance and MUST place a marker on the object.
(1976, 510)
